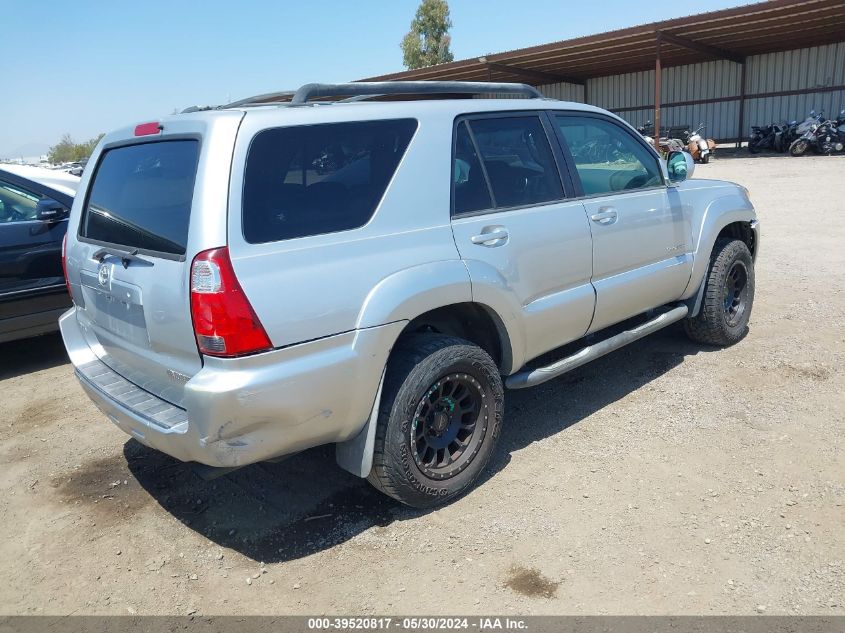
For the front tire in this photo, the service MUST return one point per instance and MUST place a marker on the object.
(728, 296)
(439, 420)
(705, 159)
(799, 147)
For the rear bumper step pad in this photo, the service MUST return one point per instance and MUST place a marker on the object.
(142, 403)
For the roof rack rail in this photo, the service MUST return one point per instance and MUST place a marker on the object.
(363, 89)
(270, 98)
(379, 88)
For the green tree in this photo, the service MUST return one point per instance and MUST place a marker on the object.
(66, 150)
(427, 43)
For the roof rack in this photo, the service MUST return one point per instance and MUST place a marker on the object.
(377, 88)
(270, 98)
(363, 89)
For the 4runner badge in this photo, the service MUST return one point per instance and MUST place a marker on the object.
(103, 274)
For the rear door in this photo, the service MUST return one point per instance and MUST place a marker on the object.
(512, 220)
(143, 217)
(642, 234)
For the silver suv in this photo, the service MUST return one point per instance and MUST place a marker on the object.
(256, 279)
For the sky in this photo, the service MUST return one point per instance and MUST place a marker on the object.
(90, 66)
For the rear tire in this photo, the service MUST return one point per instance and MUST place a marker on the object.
(439, 420)
(728, 296)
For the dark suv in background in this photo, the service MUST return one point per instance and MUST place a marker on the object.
(33, 221)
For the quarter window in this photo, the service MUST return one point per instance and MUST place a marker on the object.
(607, 158)
(314, 179)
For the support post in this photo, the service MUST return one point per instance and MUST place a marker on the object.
(657, 73)
(741, 131)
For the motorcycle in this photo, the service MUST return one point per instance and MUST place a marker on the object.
(780, 137)
(823, 137)
(700, 148)
(784, 138)
(762, 137)
(665, 145)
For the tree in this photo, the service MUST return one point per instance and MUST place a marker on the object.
(427, 43)
(66, 151)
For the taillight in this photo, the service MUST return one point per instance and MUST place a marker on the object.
(224, 322)
(64, 265)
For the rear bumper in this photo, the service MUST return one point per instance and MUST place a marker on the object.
(243, 410)
(15, 328)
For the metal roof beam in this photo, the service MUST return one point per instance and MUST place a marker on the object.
(683, 42)
(530, 73)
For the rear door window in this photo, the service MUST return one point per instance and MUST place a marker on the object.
(518, 160)
(141, 197)
(315, 179)
(472, 192)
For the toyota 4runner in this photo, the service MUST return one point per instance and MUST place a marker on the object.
(255, 279)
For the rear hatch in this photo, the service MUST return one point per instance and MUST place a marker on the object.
(156, 197)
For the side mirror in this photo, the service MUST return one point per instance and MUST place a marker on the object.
(49, 210)
(680, 166)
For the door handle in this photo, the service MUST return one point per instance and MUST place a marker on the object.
(605, 215)
(491, 236)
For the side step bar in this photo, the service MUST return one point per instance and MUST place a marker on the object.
(531, 377)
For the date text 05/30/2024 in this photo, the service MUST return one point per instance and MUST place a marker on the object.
(418, 623)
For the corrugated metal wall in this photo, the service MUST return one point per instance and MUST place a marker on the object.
(801, 69)
(794, 70)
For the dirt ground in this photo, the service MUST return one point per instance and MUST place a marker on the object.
(664, 478)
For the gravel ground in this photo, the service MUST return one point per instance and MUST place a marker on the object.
(664, 478)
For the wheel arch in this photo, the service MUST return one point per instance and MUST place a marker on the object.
(730, 215)
(472, 321)
(438, 297)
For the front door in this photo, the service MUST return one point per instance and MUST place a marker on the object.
(31, 278)
(516, 228)
(642, 235)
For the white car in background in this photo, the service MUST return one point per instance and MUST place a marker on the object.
(59, 180)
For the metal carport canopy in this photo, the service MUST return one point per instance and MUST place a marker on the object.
(736, 33)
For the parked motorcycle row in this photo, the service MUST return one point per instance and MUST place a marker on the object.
(682, 139)
(815, 133)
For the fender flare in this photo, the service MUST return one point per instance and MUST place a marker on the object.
(409, 293)
(406, 294)
(721, 212)
(491, 291)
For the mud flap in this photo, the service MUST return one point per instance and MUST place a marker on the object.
(694, 302)
(356, 454)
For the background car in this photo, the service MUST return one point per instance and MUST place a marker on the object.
(34, 207)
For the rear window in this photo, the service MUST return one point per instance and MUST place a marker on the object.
(314, 179)
(141, 196)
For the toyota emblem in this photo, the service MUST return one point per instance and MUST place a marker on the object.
(103, 274)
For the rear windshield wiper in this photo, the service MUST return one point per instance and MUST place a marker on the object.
(125, 256)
